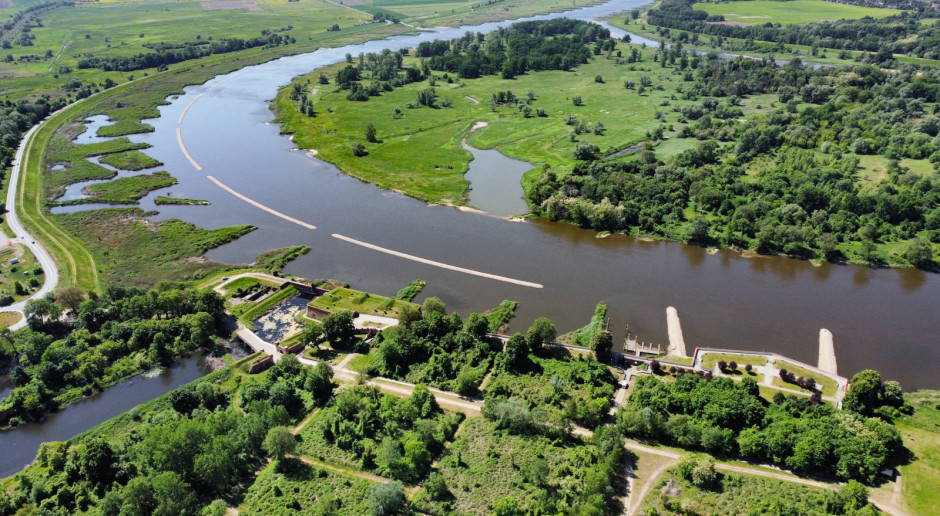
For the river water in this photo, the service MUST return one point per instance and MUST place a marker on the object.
(19, 446)
(883, 319)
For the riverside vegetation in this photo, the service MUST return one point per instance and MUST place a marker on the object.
(194, 450)
(837, 164)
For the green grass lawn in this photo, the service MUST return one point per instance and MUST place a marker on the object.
(826, 385)
(709, 360)
(436, 173)
(791, 12)
(499, 317)
(130, 160)
(583, 336)
(363, 302)
(921, 434)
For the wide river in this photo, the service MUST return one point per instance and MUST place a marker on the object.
(883, 319)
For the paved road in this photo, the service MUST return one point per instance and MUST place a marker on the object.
(51, 273)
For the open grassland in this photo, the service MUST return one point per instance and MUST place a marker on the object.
(921, 434)
(711, 359)
(436, 173)
(796, 12)
(294, 487)
(363, 302)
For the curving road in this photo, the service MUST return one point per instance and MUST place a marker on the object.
(21, 236)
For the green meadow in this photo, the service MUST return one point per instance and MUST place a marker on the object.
(792, 12)
(436, 173)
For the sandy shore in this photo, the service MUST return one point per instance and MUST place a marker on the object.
(827, 352)
(676, 342)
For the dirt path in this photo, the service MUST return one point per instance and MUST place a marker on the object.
(342, 471)
(635, 502)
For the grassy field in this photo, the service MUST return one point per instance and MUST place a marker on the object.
(410, 291)
(795, 12)
(24, 272)
(826, 385)
(436, 173)
(298, 488)
(162, 199)
(363, 302)
(711, 359)
(921, 433)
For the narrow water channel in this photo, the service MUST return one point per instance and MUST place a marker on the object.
(18, 446)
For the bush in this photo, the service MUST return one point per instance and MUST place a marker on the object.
(386, 499)
(359, 150)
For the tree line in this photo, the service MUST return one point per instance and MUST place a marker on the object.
(191, 50)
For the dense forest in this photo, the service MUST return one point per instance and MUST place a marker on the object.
(786, 181)
(900, 34)
(113, 337)
(728, 418)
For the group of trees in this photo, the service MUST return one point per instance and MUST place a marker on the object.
(114, 337)
(438, 349)
(729, 418)
(395, 437)
(184, 453)
(190, 50)
(802, 203)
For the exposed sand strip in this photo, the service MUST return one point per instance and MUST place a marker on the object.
(191, 102)
(676, 343)
(436, 264)
(179, 139)
(259, 205)
(827, 352)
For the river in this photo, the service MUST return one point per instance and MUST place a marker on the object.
(883, 319)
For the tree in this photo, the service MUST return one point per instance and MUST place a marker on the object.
(386, 499)
(576, 100)
(698, 232)
(517, 352)
(507, 506)
(541, 332)
(435, 486)
(477, 325)
(601, 344)
(586, 151)
(433, 305)
(866, 393)
(919, 253)
(427, 97)
(311, 333)
(279, 442)
(370, 134)
(70, 297)
(338, 327)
